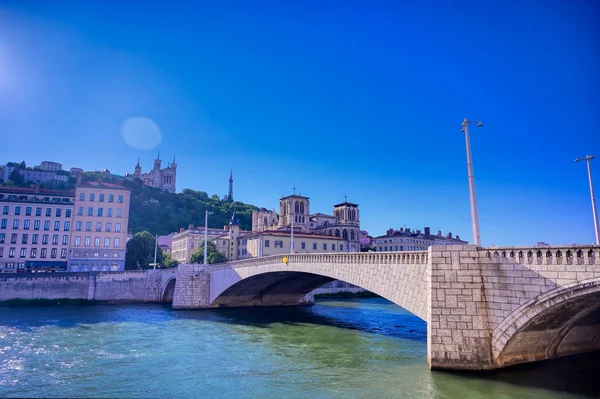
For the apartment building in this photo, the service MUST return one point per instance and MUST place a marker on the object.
(100, 221)
(35, 227)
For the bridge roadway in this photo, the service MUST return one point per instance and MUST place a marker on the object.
(485, 308)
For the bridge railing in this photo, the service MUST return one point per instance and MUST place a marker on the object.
(388, 258)
(549, 255)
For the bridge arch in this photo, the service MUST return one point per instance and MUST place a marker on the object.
(560, 322)
(270, 281)
(167, 291)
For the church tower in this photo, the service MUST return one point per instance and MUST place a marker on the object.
(347, 213)
(295, 208)
(234, 233)
(138, 169)
(157, 162)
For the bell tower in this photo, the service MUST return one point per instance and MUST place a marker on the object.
(295, 209)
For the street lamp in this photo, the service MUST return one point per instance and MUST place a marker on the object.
(206, 213)
(588, 158)
(474, 213)
(155, 249)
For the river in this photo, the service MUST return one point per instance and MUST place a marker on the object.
(361, 348)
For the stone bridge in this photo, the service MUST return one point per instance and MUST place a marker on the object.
(485, 308)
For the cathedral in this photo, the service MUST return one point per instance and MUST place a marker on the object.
(294, 210)
(162, 178)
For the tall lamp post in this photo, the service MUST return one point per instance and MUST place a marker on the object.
(206, 213)
(588, 158)
(155, 248)
(474, 212)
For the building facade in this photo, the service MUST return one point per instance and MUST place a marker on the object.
(407, 240)
(164, 179)
(35, 228)
(100, 222)
(49, 165)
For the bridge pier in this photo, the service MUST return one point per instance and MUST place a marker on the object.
(192, 287)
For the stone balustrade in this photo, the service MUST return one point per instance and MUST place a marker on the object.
(549, 255)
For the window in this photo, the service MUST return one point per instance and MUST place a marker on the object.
(17, 210)
(26, 224)
(46, 225)
(278, 244)
(303, 245)
(45, 239)
(63, 253)
(13, 238)
(101, 198)
(23, 252)
(118, 228)
(77, 242)
(105, 254)
(16, 224)
(91, 211)
(78, 226)
(5, 210)
(2, 238)
(87, 242)
(119, 212)
(4, 223)
(65, 240)
(108, 226)
(81, 196)
(107, 242)
(68, 213)
(67, 226)
(34, 238)
(96, 254)
(109, 212)
(98, 226)
(36, 225)
(385, 248)
(341, 248)
(11, 252)
(58, 212)
(48, 212)
(44, 252)
(80, 211)
(38, 211)
(88, 226)
(33, 253)
(117, 242)
(111, 198)
(314, 245)
(24, 238)
(56, 225)
(53, 253)
(267, 243)
(333, 247)
(97, 241)
(55, 239)
(115, 254)
(120, 199)
(192, 244)
(325, 247)
(92, 197)
(100, 211)
(28, 211)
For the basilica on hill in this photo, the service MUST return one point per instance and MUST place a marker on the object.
(164, 179)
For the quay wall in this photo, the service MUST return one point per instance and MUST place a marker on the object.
(124, 286)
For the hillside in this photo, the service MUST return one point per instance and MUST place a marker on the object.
(161, 212)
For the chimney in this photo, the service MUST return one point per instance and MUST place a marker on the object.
(190, 227)
(439, 233)
(407, 230)
(389, 232)
(181, 229)
(427, 231)
(457, 237)
(402, 230)
(418, 231)
(449, 235)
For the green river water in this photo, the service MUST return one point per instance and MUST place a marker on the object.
(361, 348)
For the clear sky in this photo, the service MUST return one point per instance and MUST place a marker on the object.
(337, 98)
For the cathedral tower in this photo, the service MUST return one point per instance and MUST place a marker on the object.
(295, 208)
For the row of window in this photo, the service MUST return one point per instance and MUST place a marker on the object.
(279, 244)
(34, 239)
(99, 212)
(87, 241)
(407, 240)
(88, 226)
(86, 267)
(38, 211)
(92, 197)
(34, 252)
(36, 224)
(408, 248)
(76, 254)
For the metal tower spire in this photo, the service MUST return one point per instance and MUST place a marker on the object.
(230, 193)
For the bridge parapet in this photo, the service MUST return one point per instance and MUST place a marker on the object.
(549, 255)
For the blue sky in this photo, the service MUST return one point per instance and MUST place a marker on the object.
(337, 98)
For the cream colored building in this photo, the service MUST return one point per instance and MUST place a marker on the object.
(35, 226)
(100, 222)
(187, 242)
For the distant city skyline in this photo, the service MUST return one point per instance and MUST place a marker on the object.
(334, 98)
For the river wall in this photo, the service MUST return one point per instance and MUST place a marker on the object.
(126, 286)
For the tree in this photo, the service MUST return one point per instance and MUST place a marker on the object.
(213, 255)
(16, 177)
(169, 262)
(140, 252)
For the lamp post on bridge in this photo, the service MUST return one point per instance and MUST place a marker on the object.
(206, 213)
(474, 212)
(588, 158)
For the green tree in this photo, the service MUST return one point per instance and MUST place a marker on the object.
(212, 256)
(16, 177)
(140, 252)
(168, 261)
